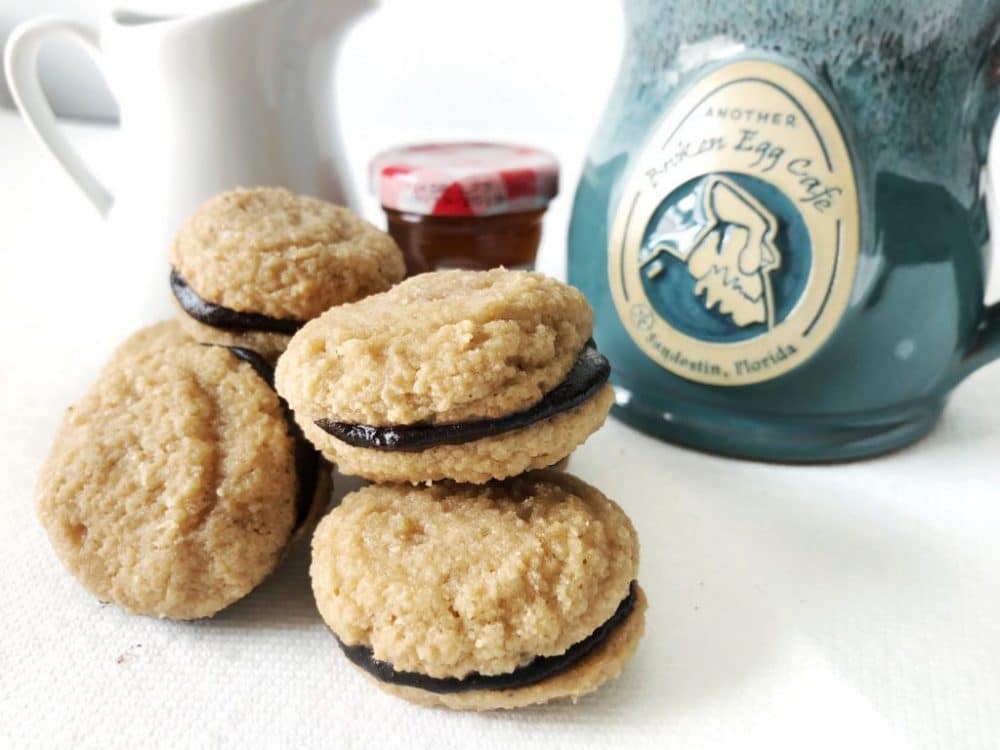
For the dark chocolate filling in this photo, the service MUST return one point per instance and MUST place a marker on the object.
(588, 375)
(306, 457)
(218, 316)
(541, 668)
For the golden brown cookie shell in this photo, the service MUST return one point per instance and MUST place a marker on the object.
(439, 348)
(170, 488)
(270, 251)
(453, 579)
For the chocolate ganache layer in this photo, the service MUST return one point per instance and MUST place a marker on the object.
(587, 376)
(218, 316)
(306, 457)
(541, 668)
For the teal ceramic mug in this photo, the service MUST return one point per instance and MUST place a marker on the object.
(782, 221)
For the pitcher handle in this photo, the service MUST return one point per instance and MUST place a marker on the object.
(21, 67)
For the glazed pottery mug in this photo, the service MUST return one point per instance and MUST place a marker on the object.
(782, 221)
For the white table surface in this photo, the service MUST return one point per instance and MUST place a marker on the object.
(810, 607)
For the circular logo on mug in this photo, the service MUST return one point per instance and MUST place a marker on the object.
(735, 245)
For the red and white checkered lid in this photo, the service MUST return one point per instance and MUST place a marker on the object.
(464, 179)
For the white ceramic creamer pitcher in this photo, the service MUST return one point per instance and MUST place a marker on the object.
(240, 93)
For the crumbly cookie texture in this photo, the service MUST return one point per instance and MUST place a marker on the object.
(270, 251)
(602, 665)
(453, 579)
(267, 344)
(440, 347)
(149, 341)
(537, 446)
(170, 488)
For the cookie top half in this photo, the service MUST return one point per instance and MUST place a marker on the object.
(272, 252)
(453, 579)
(171, 485)
(438, 348)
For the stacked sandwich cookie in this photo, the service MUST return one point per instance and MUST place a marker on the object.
(481, 596)
(461, 375)
(470, 576)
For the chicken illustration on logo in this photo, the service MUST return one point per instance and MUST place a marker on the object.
(730, 250)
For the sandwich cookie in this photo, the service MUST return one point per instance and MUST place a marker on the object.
(249, 267)
(461, 375)
(481, 596)
(174, 485)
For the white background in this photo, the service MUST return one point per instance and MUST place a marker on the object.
(532, 71)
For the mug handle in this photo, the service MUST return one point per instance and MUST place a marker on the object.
(21, 67)
(986, 346)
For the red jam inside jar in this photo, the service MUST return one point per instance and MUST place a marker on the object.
(465, 205)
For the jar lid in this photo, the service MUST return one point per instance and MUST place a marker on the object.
(464, 179)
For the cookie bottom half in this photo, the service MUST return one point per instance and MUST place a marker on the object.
(268, 344)
(601, 665)
(508, 454)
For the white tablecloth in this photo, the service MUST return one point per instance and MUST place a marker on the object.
(820, 607)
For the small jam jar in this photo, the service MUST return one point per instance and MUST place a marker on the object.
(465, 205)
